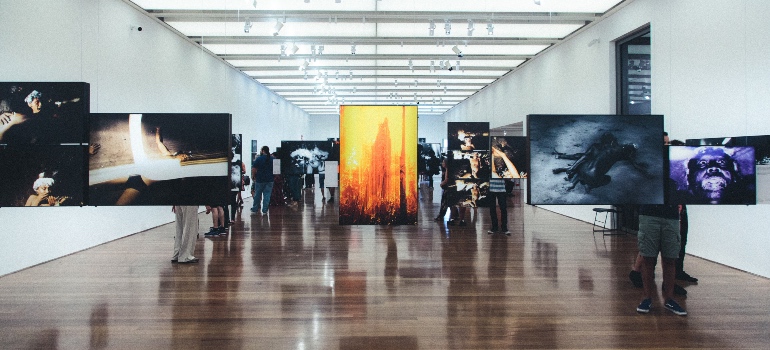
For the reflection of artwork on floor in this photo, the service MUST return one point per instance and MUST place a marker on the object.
(761, 144)
(509, 157)
(468, 136)
(470, 165)
(42, 176)
(304, 157)
(43, 113)
(595, 159)
(159, 159)
(711, 175)
(378, 165)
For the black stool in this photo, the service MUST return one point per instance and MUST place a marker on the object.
(610, 217)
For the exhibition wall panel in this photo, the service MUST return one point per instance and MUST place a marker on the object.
(152, 71)
(695, 56)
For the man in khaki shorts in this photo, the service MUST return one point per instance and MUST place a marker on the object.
(659, 233)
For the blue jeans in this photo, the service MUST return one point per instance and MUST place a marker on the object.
(264, 190)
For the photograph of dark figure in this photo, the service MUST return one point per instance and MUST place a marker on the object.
(509, 155)
(468, 136)
(42, 176)
(159, 159)
(43, 113)
(304, 157)
(595, 159)
(470, 165)
(712, 175)
(761, 144)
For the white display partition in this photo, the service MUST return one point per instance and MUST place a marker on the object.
(332, 174)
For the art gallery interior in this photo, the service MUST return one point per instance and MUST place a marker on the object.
(282, 69)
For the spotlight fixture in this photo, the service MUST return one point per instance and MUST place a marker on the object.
(415, 83)
(294, 49)
(395, 83)
(305, 77)
(457, 51)
(490, 28)
(438, 83)
(307, 1)
(447, 27)
(432, 28)
(470, 27)
(247, 25)
(353, 49)
(537, 2)
(432, 67)
(283, 50)
(354, 89)
(303, 66)
(338, 1)
(411, 66)
(320, 50)
(277, 27)
(457, 66)
(312, 50)
(441, 64)
(444, 88)
(351, 75)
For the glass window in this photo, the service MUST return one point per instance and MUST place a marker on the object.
(634, 74)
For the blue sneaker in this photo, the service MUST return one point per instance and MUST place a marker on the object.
(645, 306)
(672, 306)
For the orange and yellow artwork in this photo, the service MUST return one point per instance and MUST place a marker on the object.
(378, 165)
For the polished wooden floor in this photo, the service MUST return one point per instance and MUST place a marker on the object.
(295, 279)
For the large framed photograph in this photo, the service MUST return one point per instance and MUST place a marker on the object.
(468, 136)
(43, 113)
(509, 157)
(378, 165)
(761, 144)
(159, 159)
(237, 166)
(42, 176)
(712, 175)
(304, 157)
(596, 159)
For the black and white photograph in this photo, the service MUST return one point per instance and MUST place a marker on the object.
(712, 175)
(468, 136)
(42, 176)
(509, 157)
(237, 166)
(304, 157)
(43, 113)
(159, 159)
(596, 159)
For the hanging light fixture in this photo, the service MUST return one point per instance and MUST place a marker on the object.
(470, 27)
(277, 27)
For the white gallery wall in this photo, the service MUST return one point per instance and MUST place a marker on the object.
(710, 78)
(152, 71)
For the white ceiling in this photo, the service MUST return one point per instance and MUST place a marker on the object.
(376, 51)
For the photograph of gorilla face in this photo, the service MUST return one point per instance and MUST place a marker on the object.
(509, 157)
(712, 175)
(304, 157)
(469, 165)
(470, 136)
(596, 159)
(761, 144)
